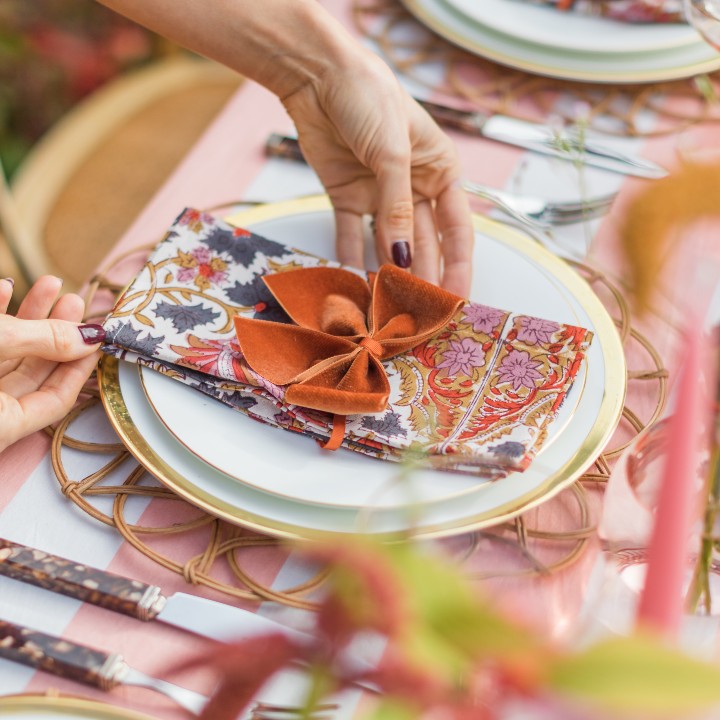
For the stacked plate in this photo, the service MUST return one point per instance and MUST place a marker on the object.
(283, 484)
(567, 45)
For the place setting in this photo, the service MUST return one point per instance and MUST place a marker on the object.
(235, 467)
(357, 487)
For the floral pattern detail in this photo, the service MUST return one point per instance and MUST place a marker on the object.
(510, 450)
(239, 401)
(388, 425)
(483, 391)
(518, 369)
(483, 319)
(234, 242)
(463, 357)
(125, 336)
(256, 295)
(194, 219)
(212, 357)
(186, 317)
(201, 267)
(534, 331)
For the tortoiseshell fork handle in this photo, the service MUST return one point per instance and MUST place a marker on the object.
(60, 657)
(97, 587)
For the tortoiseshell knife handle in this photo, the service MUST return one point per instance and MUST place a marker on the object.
(283, 146)
(465, 120)
(98, 587)
(60, 657)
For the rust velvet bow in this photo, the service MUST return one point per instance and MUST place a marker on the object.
(330, 360)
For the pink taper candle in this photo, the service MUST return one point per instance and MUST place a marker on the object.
(662, 600)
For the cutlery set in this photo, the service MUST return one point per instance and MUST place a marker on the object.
(144, 602)
(532, 212)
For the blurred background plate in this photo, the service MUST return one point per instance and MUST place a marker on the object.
(668, 64)
(574, 31)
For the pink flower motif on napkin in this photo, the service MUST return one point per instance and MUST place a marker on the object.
(483, 318)
(201, 267)
(534, 330)
(463, 356)
(519, 369)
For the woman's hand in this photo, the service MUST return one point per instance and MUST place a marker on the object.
(45, 357)
(378, 152)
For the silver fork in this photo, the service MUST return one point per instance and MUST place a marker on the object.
(85, 664)
(536, 212)
(265, 711)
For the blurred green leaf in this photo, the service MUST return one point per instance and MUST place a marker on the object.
(637, 674)
(454, 627)
(391, 709)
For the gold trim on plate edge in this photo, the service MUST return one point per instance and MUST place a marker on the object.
(68, 706)
(608, 416)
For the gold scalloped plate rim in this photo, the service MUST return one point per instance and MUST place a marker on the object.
(645, 76)
(69, 707)
(607, 419)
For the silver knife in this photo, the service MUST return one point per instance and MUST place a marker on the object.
(542, 139)
(204, 617)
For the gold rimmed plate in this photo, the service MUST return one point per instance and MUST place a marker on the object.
(462, 503)
(685, 60)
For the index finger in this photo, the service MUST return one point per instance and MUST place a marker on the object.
(452, 211)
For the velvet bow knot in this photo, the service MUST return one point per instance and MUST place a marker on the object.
(331, 359)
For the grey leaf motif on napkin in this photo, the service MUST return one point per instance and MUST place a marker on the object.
(388, 425)
(186, 317)
(125, 336)
(257, 295)
(241, 249)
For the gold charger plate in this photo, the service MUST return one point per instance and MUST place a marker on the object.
(148, 440)
(49, 706)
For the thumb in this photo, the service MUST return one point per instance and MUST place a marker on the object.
(394, 219)
(57, 340)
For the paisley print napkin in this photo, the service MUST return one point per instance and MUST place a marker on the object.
(478, 396)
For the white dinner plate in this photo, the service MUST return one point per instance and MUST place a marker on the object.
(452, 512)
(667, 64)
(261, 459)
(576, 32)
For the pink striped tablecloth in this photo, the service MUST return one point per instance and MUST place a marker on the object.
(227, 164)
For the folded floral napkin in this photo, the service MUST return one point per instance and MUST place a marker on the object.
(632, 11)
(380, 363)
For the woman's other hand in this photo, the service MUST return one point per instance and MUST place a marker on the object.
(45, 357)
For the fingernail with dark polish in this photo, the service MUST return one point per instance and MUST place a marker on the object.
(401, 254)
(10, 280)
(92, 334)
